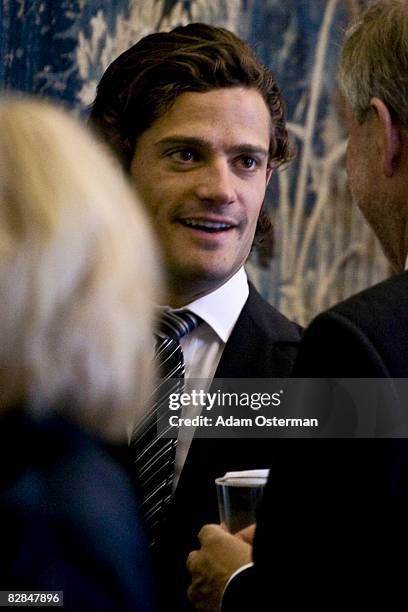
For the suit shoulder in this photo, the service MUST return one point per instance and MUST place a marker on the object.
(376, 307)
(272, 322)
(370, 328)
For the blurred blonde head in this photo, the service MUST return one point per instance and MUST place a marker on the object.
(78, 274)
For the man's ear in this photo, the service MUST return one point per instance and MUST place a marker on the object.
(391, 136)
(269, 172)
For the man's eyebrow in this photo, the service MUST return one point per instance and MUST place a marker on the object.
(249, 148)
(179, 139)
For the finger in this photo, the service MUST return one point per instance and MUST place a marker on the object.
(192, 593)
(207, 531)
(247, 534)
(192, 560)
(199, 599)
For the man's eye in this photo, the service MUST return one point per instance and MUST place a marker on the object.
(184, 155)
(248, 163)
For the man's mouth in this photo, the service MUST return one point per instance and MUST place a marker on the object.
(206, 225)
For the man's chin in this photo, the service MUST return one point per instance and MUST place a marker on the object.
(199, 279)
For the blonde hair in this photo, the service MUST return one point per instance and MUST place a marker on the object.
(374, 60)
(78, 274)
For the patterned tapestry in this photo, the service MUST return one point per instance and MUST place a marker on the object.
(323, 250)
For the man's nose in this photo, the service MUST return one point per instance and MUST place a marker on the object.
(216, 183)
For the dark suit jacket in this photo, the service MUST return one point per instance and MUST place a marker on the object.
(68, 519)
(263, 344)
(332, 526)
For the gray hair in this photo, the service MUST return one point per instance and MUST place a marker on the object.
(374, 60)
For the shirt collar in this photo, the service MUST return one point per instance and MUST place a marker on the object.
(221, 308)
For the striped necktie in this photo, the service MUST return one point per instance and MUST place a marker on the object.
(153, 452)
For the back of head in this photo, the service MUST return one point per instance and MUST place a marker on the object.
(142, 84)
(77, 273)
(374, 60)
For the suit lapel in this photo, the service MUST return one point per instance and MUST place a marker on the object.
(262, 344)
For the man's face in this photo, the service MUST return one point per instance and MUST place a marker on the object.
(368, 185)
(202, 171)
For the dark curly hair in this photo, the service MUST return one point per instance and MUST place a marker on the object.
(143, 83)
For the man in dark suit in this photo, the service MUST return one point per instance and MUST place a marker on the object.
(198, 123)
(332, 526)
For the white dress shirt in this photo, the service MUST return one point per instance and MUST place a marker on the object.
(203, 347)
